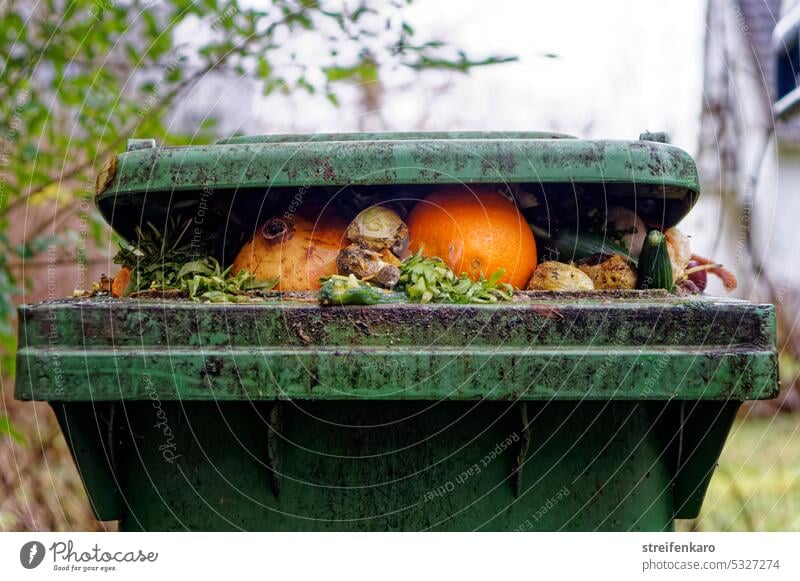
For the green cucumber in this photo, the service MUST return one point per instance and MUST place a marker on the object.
(655, 269)
(348, 290)
(572, 246)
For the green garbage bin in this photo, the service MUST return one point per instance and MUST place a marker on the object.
(593, 411)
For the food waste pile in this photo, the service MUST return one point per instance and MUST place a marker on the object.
(457, 244)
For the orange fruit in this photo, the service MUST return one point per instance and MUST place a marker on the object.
(476, 231)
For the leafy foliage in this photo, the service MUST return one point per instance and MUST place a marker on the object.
(79, 77)
(205, 280)
(165, 261)
(429, 279)
(154, 245)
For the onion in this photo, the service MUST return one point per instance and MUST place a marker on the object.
(727, 277)
(679, 251)
(699, 276)
(294, 250)
(379, 228)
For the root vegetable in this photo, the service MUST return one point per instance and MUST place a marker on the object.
(120, 282)
(682, 260)
(559, 276)
(608, 271)
(697, 275)
(389, 258)
(727, 277)
(687, 287)
(367, 265)
(679, 251)
(379, 228)
(297, 251)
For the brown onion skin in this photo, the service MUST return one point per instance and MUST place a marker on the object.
(296, 250)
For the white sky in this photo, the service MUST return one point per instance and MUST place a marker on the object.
(622, 67)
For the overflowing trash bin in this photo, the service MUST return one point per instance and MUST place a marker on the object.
(581, 410)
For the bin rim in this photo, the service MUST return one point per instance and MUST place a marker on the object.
(339, 159)
(240, 165)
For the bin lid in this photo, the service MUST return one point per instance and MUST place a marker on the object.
(647, 168)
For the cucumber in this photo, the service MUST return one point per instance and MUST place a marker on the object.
(654, 268)
(572, 246)
(348, 290)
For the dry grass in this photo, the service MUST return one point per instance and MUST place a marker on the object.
(40, 489)
(757, 484)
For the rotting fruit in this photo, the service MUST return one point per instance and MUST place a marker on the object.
(476, 231)
(559, 276)
(609, 271)
(379, 228)
(295, 250)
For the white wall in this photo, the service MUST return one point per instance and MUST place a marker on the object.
(776, 228)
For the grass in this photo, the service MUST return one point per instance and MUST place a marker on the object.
(757, 484)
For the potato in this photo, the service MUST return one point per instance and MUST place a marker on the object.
(608, 271)
(558, 276)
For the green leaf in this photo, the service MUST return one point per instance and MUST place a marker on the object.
(71, 103)
(304, 84)
(216, 296)
(429, 279)
(195, 267)
(264, 69)
(332, 98)
(334, 74)
(7, 429)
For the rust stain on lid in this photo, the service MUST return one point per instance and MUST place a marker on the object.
(106, 175)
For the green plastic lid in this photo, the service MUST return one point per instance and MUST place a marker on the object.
(235, 176)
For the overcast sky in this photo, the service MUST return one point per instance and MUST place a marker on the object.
(620, 67)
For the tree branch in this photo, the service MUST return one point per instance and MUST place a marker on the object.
(114, 144)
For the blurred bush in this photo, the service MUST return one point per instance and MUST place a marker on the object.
(79, 77)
